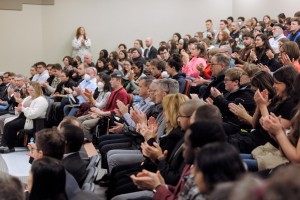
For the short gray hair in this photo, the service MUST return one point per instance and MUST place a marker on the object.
(169, 86)
(222, 59)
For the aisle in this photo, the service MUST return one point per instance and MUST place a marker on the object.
(16, 163)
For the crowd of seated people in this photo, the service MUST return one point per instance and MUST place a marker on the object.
(172, 122)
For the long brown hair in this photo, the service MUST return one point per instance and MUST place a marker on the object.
(78, 33)
(294, 134)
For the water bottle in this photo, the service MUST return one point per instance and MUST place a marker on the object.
(31, 140)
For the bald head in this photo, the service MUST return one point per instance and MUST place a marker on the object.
(148, 42)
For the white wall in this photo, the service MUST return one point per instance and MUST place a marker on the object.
(45, 32)
(259, 8)
(21, 38)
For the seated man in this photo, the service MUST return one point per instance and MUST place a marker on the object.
(50, 86)
(243, 96)
(89, 83)
(49, 142)
(72, 161)
(118, 93)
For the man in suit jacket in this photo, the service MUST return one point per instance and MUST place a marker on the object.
(150, 52)
(72, 161)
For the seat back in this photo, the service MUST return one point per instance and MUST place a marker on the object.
(187, 87)
(91, 175)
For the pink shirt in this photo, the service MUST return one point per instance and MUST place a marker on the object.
(190, 68)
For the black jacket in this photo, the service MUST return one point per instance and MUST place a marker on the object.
(76, 167)
(243, 96)
(218, 82)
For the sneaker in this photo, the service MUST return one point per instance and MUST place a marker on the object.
(7, 150)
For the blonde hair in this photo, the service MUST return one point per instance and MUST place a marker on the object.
(234, 73)
(171, 104)
(37, 89)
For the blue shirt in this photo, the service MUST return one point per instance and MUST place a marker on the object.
(91, 85)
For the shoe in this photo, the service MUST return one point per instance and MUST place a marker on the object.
(7, 150)
(104, 181)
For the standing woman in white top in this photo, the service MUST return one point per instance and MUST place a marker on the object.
(81, 43)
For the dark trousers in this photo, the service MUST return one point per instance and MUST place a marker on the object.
(10, 131)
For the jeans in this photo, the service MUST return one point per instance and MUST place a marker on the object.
(250, 161)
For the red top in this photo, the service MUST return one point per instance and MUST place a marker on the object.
(120, 94)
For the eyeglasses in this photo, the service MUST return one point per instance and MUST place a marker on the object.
(213, 64)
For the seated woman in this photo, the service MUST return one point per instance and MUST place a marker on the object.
(207, 173)
(89, 121)
(47, 180)
(288, 141)
(34, 106)
(283, 103)
(134, 77)
(198, 52)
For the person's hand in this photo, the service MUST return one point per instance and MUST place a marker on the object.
(200, 67)
(235, 56)
(147, 131)
(122, 107)
(215, 92)
(118, 128)
(56, 94)
(199, 81)
(253, 55)
(138, 116)
(97, 110)
(261, 98)
(131, 76)
(17, 95)
(209, 100)
(68, 90)
(272, 124)
(118, 113)
(285, 59)
(19, 108)
(10, 91)
(270, 54)
(153, 152)
(31, 146)
(238, 110)
(18, 100)
(83, 42)
(195, 96)
(264, 67)
(147, 180)
(88, 93)
(78, 90)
